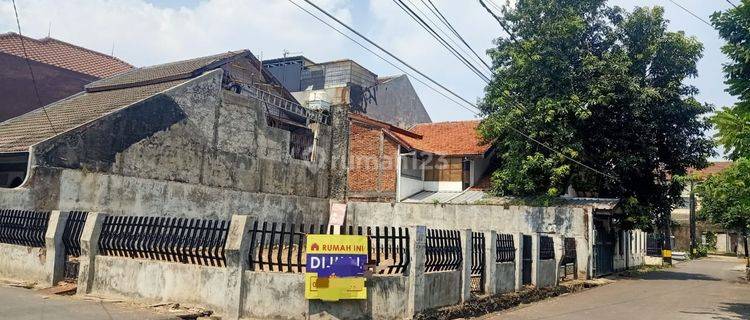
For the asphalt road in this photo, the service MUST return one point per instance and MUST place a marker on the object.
(22, 304)
(709, 288)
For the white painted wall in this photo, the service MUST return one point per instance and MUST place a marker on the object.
(443, 186)
(409, 186)
(634, 250)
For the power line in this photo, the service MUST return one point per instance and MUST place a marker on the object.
(404, 7)
(498, 19)
(388, 52)
(445, 22)
(31, 71)
(732, 3)
(381, 57)
(691, 13)
(444, 88)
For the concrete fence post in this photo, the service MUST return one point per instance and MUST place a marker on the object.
(417, 248)
(535, 258)
(236, 251)
(518, 241)
(466, 265)
(490, 265)
(55, 258)
(89, 249)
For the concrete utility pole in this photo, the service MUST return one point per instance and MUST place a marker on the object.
(692, 219)
(666, 251)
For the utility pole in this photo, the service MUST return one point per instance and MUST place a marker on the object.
(692, 219)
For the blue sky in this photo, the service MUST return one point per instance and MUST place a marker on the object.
(149, 32)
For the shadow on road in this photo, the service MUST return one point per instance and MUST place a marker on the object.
(672, 275)
(726, 311)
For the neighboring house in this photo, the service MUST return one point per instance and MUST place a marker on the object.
(431, 161)
(726, 242)
(343, 88)
(203, 138)
(60, 69)
(345, 82)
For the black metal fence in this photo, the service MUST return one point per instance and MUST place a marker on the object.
(192, 241)
(72, 233)
(546, 248)
(506, 250)
(654, 244)
(22, 227)
(281, 247)
(478, 262)
(443, 250)
(568, 263)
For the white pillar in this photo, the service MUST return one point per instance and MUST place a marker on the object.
(55, 258)
(89, 250)
(466, 242)
(490, 259)
(417, 248)
(236, 251)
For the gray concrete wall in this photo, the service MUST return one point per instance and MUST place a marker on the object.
(272, 295)
(561, 221)
(442, 288)
(547, 273)
(505, 277)
(155, 281)
(23, 263)
(195, 150)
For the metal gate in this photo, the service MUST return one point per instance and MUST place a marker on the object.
(478, 262)
(526, 260)
(604, 247)
(72, 241)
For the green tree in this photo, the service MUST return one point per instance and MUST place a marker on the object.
(725, 199)
(733, 122)
(605, 87)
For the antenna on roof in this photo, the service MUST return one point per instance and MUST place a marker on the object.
(49, 29)
(112, 53)
(287, 53)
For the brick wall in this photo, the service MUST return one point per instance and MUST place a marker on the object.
(372, 163)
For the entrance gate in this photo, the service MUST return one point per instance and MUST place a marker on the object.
(604, 247)
(526, 260)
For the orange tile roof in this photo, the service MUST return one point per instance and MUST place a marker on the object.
(713, 168)
(447, 138)
(64, 55)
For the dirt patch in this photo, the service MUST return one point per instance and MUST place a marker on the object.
(487, 304)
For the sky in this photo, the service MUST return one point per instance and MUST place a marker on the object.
(147, 32)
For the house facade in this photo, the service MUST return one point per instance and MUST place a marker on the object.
(60, 70)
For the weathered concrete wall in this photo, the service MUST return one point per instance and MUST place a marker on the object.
(120, 195)
(23, 263)
(505, 277)
(547, 273)
(442, 288)
(271, 295)
(156, 281)
(561, 221)
(195, 150)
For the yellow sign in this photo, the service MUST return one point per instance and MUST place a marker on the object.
(666, 253)
(335, 267)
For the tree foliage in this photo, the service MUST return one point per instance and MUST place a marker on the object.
(733, 122)
(725, 197)
(603, 86)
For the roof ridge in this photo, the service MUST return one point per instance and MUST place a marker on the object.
(50, 39)
(448, 122)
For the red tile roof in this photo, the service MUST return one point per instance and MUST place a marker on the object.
(713, 168)
(457, 138)
(64, 55)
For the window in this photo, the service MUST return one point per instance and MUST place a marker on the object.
(443, 169)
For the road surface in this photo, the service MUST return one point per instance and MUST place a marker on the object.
(23, 304)
(709, 288)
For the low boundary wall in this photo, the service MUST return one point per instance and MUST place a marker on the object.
(23, 263)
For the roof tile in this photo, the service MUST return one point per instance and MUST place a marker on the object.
(448, 138)
(62, 54)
